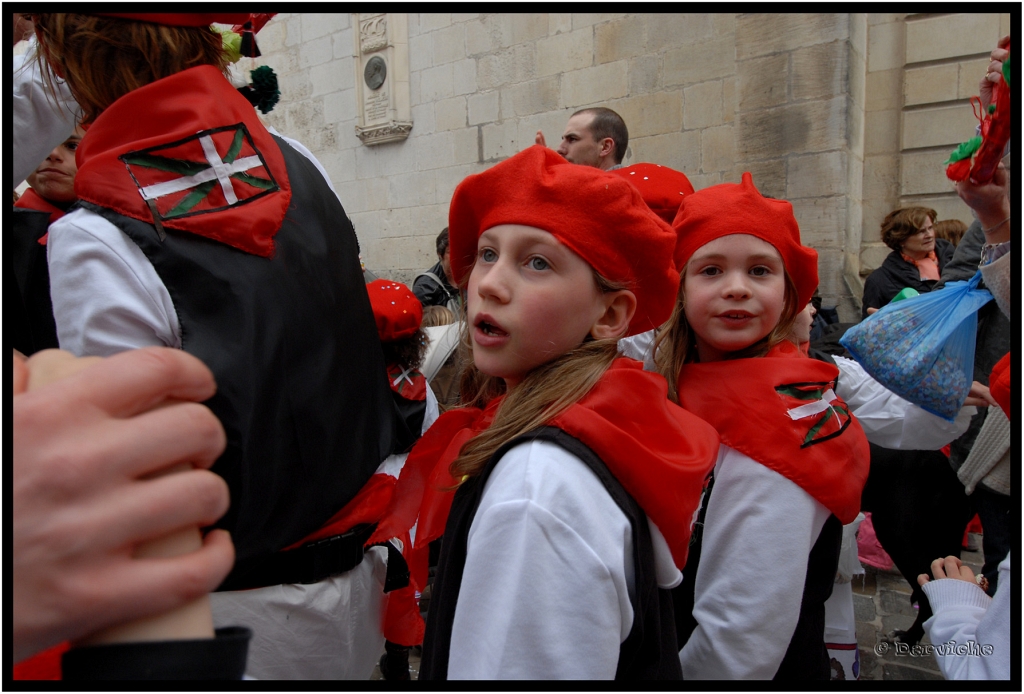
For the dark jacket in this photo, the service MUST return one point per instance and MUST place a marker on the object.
(429, 292)
(897, 274)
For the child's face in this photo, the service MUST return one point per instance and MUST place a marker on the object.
(530, 300)
(801, 331)
(735, 291)
(54, 179)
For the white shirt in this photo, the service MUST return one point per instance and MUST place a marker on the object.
(758, 534)
(545, 592)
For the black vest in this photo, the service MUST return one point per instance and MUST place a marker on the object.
(301, 382)
(32, 326)
(650, 651)
(806, 658)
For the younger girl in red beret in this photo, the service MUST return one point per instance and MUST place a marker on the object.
(577, 479)
(792, 462)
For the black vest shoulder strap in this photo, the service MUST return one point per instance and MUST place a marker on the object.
(650, 651)
(301, 383)
(33, 326)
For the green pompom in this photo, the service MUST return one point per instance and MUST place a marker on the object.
(232, 43)
(991, 108)
(965, 150)
(1006, 71)
(264, 84)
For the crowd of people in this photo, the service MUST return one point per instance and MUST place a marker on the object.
(236, 464)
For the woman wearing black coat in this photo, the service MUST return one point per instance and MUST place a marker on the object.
(916, 261)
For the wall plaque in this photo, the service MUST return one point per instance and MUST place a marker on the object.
(382, 77)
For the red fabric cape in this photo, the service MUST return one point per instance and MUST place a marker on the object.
(152, 136)
(748, 402)
(999, 383)
(660, 453)
(31, 200)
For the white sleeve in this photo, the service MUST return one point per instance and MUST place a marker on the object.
(890, 421)
(758, 534)
(107, 297)
(967, 619)
(39, 123)
(304, 151)
(545, 590)
(432, 412)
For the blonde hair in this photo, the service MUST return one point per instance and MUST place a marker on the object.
(103, 58)
(543, 394)
(434, 316)
(676, 343)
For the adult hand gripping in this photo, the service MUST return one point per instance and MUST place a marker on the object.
(91, 437)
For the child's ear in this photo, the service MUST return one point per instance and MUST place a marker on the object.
(614, 322)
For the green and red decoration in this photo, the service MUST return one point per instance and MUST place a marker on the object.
(819, 407)
(987, 148)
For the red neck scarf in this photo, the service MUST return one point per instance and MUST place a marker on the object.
(190, 150)
(660, 453)
(782, 411)
(31, 200)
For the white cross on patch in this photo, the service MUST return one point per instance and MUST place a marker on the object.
(813, 408)
(218, 171)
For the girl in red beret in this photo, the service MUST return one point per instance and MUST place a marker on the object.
(792, 462)
(577, 480)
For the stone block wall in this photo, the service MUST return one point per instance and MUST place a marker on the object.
(922, 70)
(846, 115)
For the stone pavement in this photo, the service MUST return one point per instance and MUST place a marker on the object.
(881, 603)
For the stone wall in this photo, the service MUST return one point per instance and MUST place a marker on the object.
(846, 115)
(922, 71)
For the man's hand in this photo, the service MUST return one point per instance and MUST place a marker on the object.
(991, 202)
(539, 139)
(85, 450)
(994, 72)
(980, 396)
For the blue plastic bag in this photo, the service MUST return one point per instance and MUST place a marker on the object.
(922, 348)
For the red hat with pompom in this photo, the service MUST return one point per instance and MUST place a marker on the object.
(730, 208)
(661, 188)
(396, 310)
(596, 214)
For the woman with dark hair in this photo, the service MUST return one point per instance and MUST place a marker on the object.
(916, 260)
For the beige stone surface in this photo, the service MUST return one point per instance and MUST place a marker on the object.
(619, 39)
(763, 33)
(924, 172)
(971, 74)
(500, 140)
(822, 221)
(872, 255)
(769, 176)
(449, 44)
(947, 125)
(948, 206)
(467, 145)
(883, 90)
(565, 52)
(464, 76)
(728, 99)
(811, 126)
(594, 84)
(681, 151)
(819, 71)
(317, 24)
(651, 114)
(717, 149)
(450, 114)
(483, 107)
(527, 26)
(953, 35)
(583, 19)
(885, 46)
(668, 30)
(931, 84)
(762, 82)
(702, 105)
(698, 62)
(816, 175)
(881, 132)
(429, 22)
(536, 96)
(644, 74)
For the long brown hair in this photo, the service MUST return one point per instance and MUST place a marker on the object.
(676, 343)
(543, 394)
(103, 58)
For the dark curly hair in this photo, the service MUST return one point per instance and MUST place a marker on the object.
(407, 352)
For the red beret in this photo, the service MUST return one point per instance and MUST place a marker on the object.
(396, 309)
(181, 19)
(594, 213)
(662, 188)
(731, 208)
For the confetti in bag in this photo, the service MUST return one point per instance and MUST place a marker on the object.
(922, 348)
